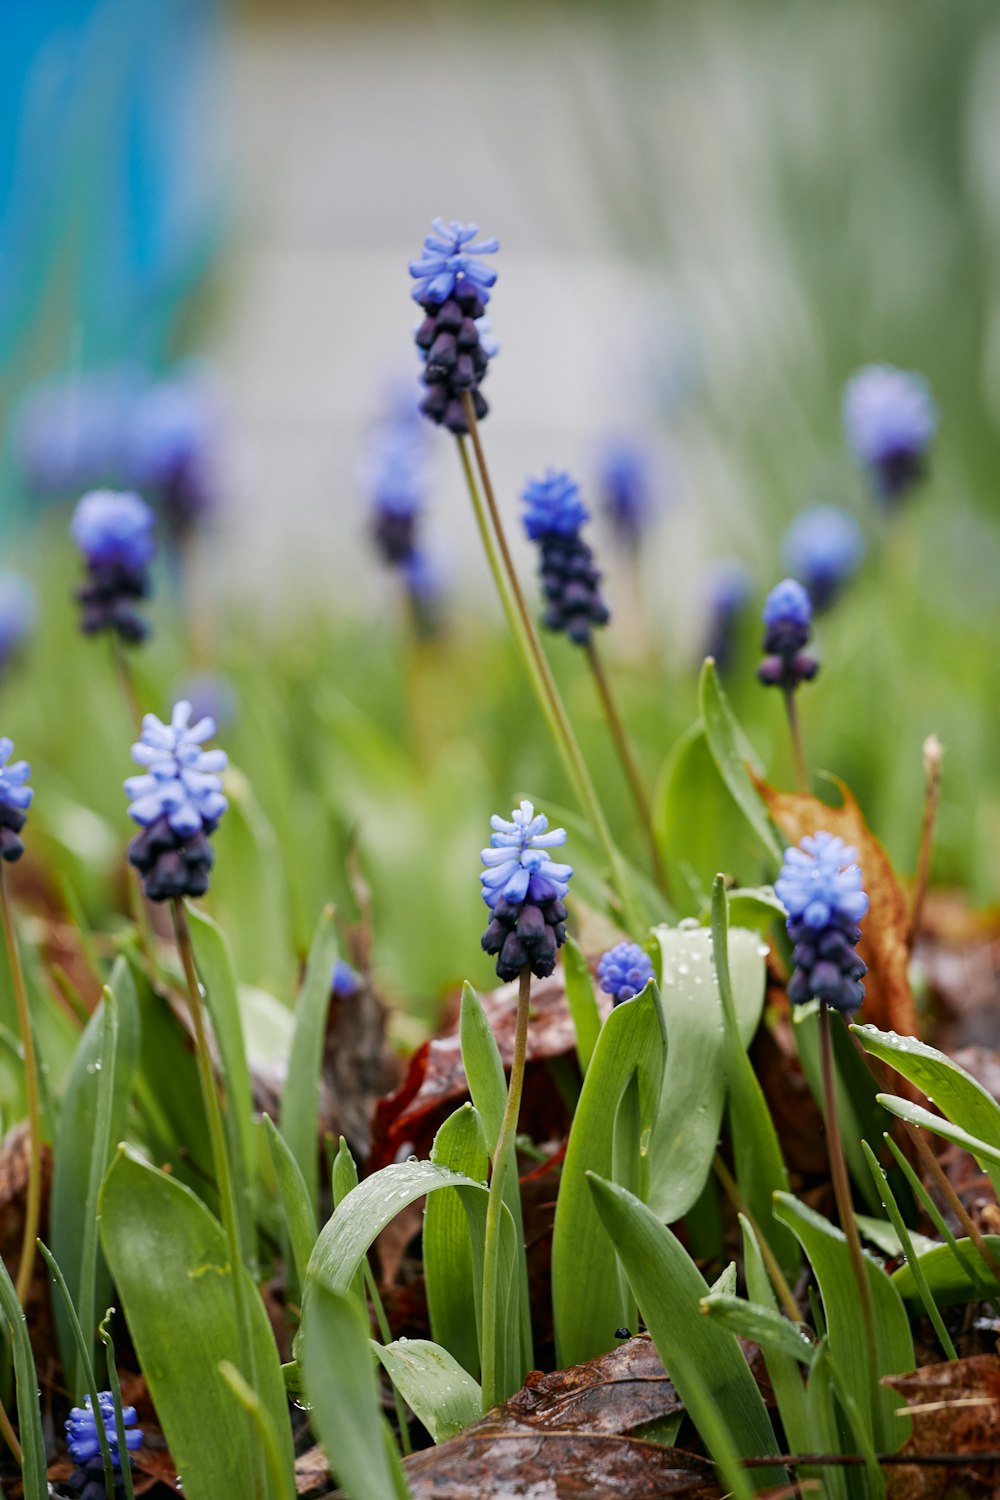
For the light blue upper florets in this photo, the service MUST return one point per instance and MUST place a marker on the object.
(450, 257)
(554, 507)
(820, 883)
(824, 543)
(81, 1429)
(517, 859)
(787, 602)
(181, 781)
(887, 412)
(114, 527)
(623, 971)
(14, 789)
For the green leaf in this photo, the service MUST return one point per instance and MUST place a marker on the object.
(169, 1259)
(762, 1325)
(282, 1480)
(29, 1415)
(986, 1155)
(965, 1102)
(248, 888)
(84, 1360)
(732, 753)
(699, 1356)
(760, 1167)
(857, 1106)
(589, 1297)
(299, 1218)
(687, 1128)
(881, 1234)
(433, 1384)
(345, 1173)
(829, 1257)
(215, 968)
(92, 1121)
(300, 1098)
(754, 907)
(450, 1274)
(784, 1373)
(948, 1276)
(582, 1003)
(881, 1182)
(345, 1409)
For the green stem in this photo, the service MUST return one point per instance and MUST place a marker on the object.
(34, 1196)
(628, 758)
(386, 1335)
(220, 1157)
(795, 730)
(542, 679)
(842, 1193)
(502, 1156)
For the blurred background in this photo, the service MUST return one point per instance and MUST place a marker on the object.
(710, 216)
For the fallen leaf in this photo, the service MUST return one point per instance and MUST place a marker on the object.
(405, 1121)
(955, 1408)
(884, 941)
(311, 1472)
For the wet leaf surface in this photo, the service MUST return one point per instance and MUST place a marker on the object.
(955, 1408)
(884, 944)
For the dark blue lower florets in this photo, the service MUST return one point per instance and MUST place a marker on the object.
(571, 583)
(455, 360)
(109, 599)
(827, 966)
(171, 864)
(526, 932)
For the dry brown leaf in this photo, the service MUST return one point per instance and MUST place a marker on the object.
(955, 1408)
(885, 931)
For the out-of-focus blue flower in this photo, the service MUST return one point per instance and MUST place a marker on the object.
(626, 489)
(524, 889)
(453, 289)
(728, 590)
(71, 431)
(889, 420)
(822, 890)
(395, 476)
(15, 799)
(788, 622)
(178, 800)
(211, 695)
(823, 546)
(81, 1430)
(18, 612)
(114, 528)
(170, 448)
(553, 506)
(449, 258)
(344, 981)
(624, 971)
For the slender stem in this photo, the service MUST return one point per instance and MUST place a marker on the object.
(10, 1436)
(954, 1202)
(220, 1158)
(795, 730)
(732, 1191)
(558, 718)
(502, 1156)
(932, 794)
(842, 1192)
(627, 756)
(32, 1208)
(385, 1333)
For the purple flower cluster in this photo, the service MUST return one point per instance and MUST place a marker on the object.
(571, 582)
(787, 626)
(452, 286)
(114, 531)
(625, 486)
(524, 890)
(15, 799)
(178, 801)
(889, 421)
(821, 888)
(624, 971)
(823, 547)
(85, 1448)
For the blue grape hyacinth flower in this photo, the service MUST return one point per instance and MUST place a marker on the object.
(114, 530)
(15, 799)
(178, 801)
(625, 485)
(452, 286)
(624, 971)
(345, 981)
(87, 1479)
(728, 589)
(171, 442)
(396, 478)
(787, 619)
(823, 547)
(821, 888)
(889, 422)
(571, 581)
(524, 890)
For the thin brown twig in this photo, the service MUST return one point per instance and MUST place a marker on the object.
(933, 754)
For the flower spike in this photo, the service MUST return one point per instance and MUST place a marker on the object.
(524, 890)
(178, 801)
(821, 888)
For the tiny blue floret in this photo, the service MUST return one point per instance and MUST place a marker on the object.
(553, 506)
(114, 528)
(889, 421)
(450, 257)
(81, 1429)
(823, 546)
(624, 971)
(822, 889)
(345, 981)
